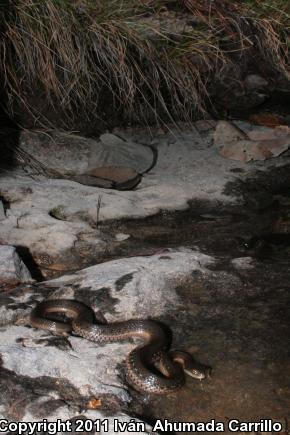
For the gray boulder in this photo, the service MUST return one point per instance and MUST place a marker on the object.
(12, 267)
(73, 154)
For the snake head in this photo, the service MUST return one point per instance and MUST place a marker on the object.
(196, 374)
(197, 370)
(190, 366)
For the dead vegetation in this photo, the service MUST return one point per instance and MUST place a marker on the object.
(150, 57)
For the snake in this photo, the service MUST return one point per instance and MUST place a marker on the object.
(150, 367)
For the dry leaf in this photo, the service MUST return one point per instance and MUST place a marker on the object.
(94, 403)
(227, 133)
(247, 150)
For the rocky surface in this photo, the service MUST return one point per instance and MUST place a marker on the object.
(61, 222)
(255, 82)
(233, 92)
(217, 312)
(62, 374)
(12, 267)
(258, 144)
(218, 307)
(74, 154)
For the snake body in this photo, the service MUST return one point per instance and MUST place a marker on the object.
(150, 368)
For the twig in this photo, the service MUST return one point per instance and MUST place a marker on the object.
(98, 209)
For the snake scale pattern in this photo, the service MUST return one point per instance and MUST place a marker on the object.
(150, 367)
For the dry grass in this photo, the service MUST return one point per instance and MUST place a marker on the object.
(260, 27)
(73, 52)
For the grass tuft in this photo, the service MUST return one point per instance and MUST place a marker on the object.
(153, 58)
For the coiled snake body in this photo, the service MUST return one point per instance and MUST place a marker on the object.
(150, 368)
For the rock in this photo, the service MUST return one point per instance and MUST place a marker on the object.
(121, 236)
(205, 125)
(251, 100)
(91, 180)
(227, 133)
(2, 211)
(119, 152)
(244, 263)
(212, 312)
(111, 140)
(54, 416)
(256, 145)
(261, 134)
(254, 82)
(121, 177)
(72, 154)
(229, 91)
(245, 151)
(12, 267)
(62, 152)
(248, 150)
(240, 150)
(268, 119)
(39, 366)
(118, 174)
(67, 225)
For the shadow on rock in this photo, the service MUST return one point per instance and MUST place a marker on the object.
(29, 261)
(9, 137)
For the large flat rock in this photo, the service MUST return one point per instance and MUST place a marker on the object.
(60, 372)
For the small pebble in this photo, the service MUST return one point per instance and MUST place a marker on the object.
(120, 237)
(243, 263)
